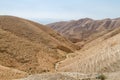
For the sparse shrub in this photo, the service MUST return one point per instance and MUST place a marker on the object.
(86, 79)
(46, 71)
(101, 77)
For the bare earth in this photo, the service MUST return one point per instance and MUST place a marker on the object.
(31, 51)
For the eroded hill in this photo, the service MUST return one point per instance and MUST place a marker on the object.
(29, 46)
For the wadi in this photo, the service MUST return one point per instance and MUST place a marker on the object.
(84, 49)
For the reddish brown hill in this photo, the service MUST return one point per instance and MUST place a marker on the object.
(85, 29)
(29, 46)
(34, 32)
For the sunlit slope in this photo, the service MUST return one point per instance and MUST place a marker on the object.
(102, 55)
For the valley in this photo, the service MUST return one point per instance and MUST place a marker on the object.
(75, 50)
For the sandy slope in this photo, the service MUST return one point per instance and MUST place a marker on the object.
(102, 57)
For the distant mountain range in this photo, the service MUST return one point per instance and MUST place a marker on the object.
(86, 29)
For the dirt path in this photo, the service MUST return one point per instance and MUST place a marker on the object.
(57, 64)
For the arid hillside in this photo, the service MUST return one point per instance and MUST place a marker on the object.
(99, 56)
(30, 47)
(85, 30)
(34, 32)
(31, 51)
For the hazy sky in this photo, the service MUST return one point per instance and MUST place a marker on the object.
(61, 9)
